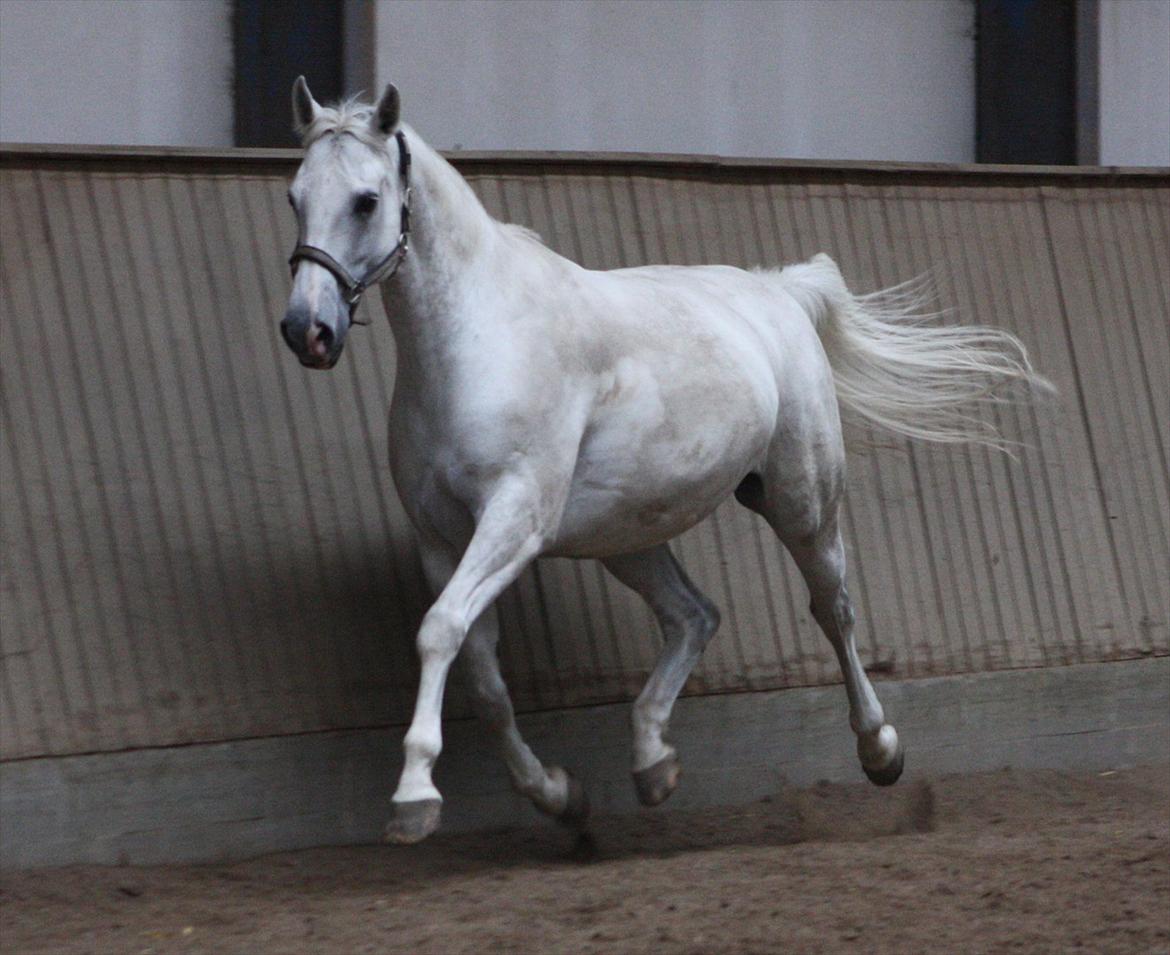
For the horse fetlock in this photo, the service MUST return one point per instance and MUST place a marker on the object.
(575, 808)
(648, 728)
(648, 718)
(882, 756)
(556, 792)
(867, 723)
(421, 746)
(415, 783)
(543, 788)
(877, 748)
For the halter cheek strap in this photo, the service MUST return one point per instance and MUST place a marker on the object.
(352, 288)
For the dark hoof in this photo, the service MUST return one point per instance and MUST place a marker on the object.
(888, 774)
(657, 782)
(576, 811)
(413, 821)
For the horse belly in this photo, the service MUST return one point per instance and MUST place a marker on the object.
(642, 480)
(600, 523)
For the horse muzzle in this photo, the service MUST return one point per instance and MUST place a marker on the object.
(315, 344)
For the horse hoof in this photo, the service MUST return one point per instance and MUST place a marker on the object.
(655, 783)
(577, 808)
(413, 821)
(887, 775)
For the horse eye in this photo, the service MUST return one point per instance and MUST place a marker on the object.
(365, 203)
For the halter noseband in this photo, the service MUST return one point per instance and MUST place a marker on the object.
(351, 288)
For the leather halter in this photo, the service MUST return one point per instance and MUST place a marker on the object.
(351, 288)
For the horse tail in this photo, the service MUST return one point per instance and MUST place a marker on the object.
(896, 368)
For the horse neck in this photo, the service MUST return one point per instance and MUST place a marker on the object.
(451, 235)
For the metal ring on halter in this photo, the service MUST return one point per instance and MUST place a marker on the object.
(351, 288)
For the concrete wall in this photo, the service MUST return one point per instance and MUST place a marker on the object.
(133, 72)
(1134, 83)
(233, 800)
(872, 79)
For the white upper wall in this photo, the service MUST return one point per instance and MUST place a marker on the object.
(135, 72)
(1133, 123)
(826, 79)
(836, 79)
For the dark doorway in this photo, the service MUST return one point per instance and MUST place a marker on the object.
(1026, 81)
(275, 42)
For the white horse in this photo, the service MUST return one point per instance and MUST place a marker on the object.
(541, 408)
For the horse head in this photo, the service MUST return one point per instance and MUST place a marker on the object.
(351, 197)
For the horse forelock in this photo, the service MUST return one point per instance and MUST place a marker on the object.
(350, 117)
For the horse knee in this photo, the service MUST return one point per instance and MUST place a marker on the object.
(440, 635)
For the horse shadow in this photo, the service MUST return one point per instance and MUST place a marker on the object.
(827, 812)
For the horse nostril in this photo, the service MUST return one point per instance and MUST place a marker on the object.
(319, 341)
(325, 336)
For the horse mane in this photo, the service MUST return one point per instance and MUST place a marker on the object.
(523, 232)
(350, 116)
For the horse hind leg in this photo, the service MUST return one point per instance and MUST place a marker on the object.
(811, 534)
(822, 562)
(688, 621)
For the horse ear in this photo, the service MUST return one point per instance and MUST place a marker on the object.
(386, 115)
(305, 108)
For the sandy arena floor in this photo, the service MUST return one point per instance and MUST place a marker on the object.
(1027, 862)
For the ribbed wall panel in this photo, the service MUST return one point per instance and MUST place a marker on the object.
(201, 541)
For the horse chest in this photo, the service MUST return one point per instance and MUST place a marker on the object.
(456, 447)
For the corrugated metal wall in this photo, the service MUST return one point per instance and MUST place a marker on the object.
(181, 564)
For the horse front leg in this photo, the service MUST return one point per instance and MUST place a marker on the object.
(506, 539)
(554, 790)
